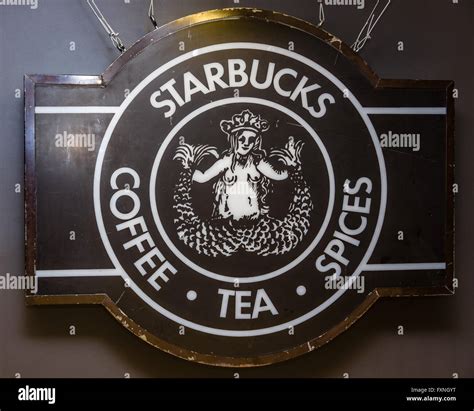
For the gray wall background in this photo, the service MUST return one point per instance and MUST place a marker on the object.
(439, 331)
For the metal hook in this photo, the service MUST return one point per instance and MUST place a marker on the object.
(114, 36)
(368, 27)
(151, 14)
(322, 17)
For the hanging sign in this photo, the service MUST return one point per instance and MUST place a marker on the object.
(238, 188)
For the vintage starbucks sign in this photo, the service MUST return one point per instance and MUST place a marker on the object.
(238, 188)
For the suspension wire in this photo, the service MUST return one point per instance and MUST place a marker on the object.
(114, 36)
(363, 37)
(368, 27)
(322, 17)
(151, 14)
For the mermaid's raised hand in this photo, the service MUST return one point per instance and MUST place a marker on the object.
(291, 154)
(190, 156)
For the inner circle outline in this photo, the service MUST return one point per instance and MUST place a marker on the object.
(100, 158)
(154, 173)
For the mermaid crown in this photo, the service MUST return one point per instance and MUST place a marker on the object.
(245, 121)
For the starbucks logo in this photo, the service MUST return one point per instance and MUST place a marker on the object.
(227, 197)
(251, 194)
(245, 176)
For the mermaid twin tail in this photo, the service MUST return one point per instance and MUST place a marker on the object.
(201, 235)
(217, 237)
(276, 237)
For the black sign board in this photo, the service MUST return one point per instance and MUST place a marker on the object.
(238, 188)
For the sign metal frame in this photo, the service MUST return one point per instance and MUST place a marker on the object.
(32, 81)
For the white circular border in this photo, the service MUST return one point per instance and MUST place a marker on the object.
(126, 103)
(261, 277)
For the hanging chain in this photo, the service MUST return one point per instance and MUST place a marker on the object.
(151, 14)
(322, 17)
(114, 36)
(368, 27)
(362, 38)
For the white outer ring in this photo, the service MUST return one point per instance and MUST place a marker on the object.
(126, 103)
(261, 277)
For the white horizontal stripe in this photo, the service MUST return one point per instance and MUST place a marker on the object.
(115, 273)
(406, 110)
(405, 267)
(77, 273)
(75, 109)
(113, 109)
